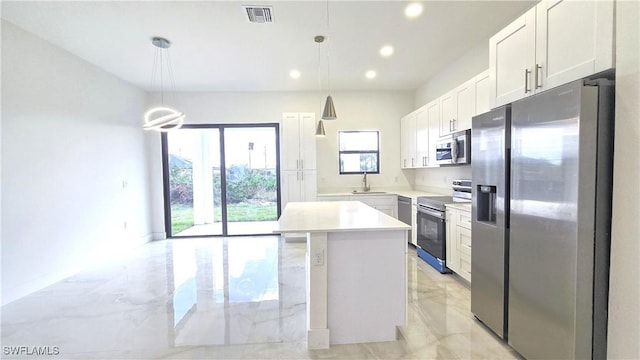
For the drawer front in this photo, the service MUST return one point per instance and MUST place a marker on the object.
(464, 219)
(464, 241)
(465, 267)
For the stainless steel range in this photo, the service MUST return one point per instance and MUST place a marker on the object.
(431, 224)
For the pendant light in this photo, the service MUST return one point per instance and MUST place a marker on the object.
(329, 112)
(162, 117)
(320, 129)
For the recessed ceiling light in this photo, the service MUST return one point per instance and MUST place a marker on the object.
(370, 74)
(295, 74)
(386, 50)
(413, 10)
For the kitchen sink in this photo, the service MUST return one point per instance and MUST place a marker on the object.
(360, 192)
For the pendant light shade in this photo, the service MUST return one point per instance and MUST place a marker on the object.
(329, 112)
(320, 129)
(162, 117)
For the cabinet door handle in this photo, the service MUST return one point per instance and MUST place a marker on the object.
(538, 71)
(412, 162)
(297, 175)
(301, 164)
(526, 80)
(404, 162)
(302, 175)
(297, 164)
(454, 124)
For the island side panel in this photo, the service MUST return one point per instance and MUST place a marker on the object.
(317, 330)
(366, 285)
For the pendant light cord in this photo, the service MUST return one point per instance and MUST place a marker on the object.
(171, 78)
(328, 46)
(154, 68)
(158, 73)
(161, 80)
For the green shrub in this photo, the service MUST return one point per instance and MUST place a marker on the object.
(242, 184)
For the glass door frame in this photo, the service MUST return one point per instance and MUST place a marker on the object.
(223, 178)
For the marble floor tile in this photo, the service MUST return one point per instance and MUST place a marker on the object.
(227, 298)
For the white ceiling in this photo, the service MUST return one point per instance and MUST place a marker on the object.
(216, 49)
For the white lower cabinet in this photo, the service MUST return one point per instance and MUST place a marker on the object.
(298, 186)
(387, 204)
(414, 222)
(459, 241)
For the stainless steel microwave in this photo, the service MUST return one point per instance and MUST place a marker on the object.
(454, 150)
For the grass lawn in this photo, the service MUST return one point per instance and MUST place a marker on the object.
(182, 215)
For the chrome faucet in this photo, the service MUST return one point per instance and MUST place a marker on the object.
(364, 180)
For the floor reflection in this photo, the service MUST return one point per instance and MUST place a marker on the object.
(228, 298)
(222, 288)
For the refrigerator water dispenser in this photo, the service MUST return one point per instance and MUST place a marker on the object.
(486, 204)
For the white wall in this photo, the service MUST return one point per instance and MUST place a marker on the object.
(624, 296)
(71, 134)
(356, 111)
(473, 62)
(365, 111)
(438, 180)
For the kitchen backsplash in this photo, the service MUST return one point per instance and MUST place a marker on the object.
(438, 180)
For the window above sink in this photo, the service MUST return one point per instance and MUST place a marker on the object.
(359, 152)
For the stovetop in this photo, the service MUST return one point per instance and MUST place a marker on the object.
(461, 191)
(439, 202)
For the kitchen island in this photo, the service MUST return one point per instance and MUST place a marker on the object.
(356, 267)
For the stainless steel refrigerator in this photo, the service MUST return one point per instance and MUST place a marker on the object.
(542, 219)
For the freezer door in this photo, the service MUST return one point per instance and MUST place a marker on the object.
(553, 187)
(490, 149)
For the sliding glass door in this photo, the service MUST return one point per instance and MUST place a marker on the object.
(251, 180)
(221, 180)
(194, 182)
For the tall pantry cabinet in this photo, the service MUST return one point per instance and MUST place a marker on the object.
(298, 181)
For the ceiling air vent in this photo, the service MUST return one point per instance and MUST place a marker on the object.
(259, 14)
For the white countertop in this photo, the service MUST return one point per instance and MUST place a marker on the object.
(413, 194)
(460, 206)
(331, 216)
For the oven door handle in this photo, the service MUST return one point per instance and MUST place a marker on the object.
(433, 213)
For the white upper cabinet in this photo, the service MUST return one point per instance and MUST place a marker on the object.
(511, 58)
(554, 43)
(482, 90)
(414, 140)
(447, 112)
(457, 108)
(422, 138)
(432, 110)
(298, 141)
(574, 39)
(408, 141)
(465, 106)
